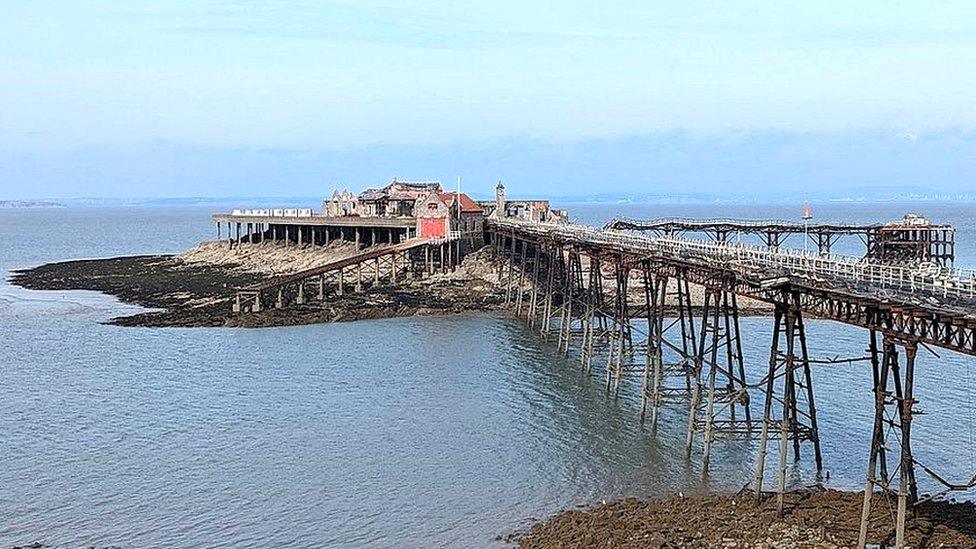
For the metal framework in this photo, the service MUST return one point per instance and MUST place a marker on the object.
(622, 295)
(719, 358)
(897, 242)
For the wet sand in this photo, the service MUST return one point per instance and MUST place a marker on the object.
(813, 518)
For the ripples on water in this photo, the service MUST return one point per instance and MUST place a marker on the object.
(403, 432)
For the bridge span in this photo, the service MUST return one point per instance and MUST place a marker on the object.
(627, 299)
(910, 239)
(381, 264)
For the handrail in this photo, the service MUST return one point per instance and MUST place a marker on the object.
(919, 278)
(780, 224)
(751, 223)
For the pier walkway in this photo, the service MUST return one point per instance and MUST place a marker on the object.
(383, 263)
(624, 299)
(910, 239)
(303, 226)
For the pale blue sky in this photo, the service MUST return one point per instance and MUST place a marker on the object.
(142, 98)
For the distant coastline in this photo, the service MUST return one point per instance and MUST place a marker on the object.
(862, 196)
(24, 204)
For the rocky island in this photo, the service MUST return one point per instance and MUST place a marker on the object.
(197, 288)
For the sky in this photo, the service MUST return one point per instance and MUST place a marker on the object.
(290, 98)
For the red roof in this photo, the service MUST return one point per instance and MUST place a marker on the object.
(467, 205)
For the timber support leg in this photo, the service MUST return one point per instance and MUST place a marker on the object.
(894, 386)
(784, 391)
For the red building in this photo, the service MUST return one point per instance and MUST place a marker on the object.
(441, 213)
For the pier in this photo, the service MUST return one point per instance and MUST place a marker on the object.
(300, 227)
(381, 264)
(601, 295)
(620, 299)
(911, 239)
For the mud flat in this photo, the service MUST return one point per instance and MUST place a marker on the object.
(196, 288)
(813, 518)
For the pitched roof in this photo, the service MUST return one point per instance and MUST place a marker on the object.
(467, 205)
(372, 194)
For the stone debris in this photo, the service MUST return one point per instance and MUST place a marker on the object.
(814, 518)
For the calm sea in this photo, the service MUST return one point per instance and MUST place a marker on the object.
(413, 432)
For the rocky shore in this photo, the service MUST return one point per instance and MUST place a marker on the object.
(196, 288)
(814, 518)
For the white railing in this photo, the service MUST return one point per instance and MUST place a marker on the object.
(694, 223)
(280, 212)
(927, 278)
(451, 236)
(702, 222)
(907, 222)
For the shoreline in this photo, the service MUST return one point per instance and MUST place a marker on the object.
(184, 291)
(183, 294)
(813, 517)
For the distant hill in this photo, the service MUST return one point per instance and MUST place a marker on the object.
(222, 201)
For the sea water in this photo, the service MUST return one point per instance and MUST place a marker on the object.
(412, 432)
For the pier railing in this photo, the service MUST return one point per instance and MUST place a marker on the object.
(277, 212)
(925, 278)
(755, 225)
(593, 309)
(692, 224)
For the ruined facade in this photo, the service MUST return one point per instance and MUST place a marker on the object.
(400, 199)
(525, 210)
(397, 199)
(342, 204)
(441, 214)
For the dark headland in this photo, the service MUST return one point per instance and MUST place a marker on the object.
(196, 289)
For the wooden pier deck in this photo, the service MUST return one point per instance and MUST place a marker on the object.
(319, 220)
(609, 294)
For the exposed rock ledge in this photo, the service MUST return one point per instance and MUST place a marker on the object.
(196, 287)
